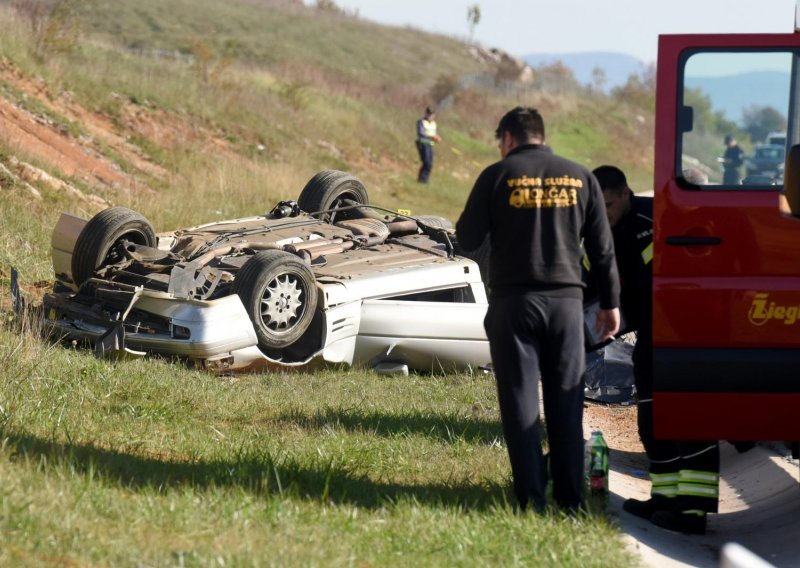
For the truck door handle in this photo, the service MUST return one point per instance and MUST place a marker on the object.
(686, 241)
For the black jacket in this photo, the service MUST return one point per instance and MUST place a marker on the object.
(537, 208)
(633, 242)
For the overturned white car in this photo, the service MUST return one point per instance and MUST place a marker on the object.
(327, 278)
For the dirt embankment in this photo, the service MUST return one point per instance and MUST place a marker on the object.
(39, 126)
(38, 136)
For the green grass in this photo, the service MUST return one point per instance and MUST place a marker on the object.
(25, 236)
(147, 462)
(280, 36)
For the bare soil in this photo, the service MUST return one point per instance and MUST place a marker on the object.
(103, 156)
(616, 422)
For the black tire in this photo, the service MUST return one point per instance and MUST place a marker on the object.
(94, 246)
(328, 189)
(280, 296)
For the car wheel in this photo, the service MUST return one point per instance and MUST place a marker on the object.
(328, 190)
(94, 247)
(280, 296)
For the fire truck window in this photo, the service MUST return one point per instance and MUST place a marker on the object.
(737, 104)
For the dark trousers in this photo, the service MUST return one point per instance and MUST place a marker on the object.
(731, 176)
(426, 157)
(685, 472)
(528, 333)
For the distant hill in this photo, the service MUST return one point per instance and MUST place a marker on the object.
(732, 93)
(729, 94)
(617, 66)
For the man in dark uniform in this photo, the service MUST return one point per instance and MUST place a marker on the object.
(732, 160)
(536, 208)
(684, 475)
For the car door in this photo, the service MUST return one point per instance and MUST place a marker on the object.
(726, 269)
(428, 331)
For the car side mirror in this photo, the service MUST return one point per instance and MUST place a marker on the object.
(791, 180)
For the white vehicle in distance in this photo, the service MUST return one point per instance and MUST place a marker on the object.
(327, 278)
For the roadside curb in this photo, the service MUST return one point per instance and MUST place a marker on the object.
(759, 509)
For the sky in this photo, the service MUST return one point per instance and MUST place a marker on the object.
(523, 27)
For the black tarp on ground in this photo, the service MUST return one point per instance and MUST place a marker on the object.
(609, 373)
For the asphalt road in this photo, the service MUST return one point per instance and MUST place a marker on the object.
(759, 509)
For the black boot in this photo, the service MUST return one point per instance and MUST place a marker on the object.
(687, 523)
(645, 509)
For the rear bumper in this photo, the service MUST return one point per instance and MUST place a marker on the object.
(214, 327)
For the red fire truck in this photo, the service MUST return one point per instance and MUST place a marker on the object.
(726, 272)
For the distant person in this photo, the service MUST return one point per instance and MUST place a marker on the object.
(537, 208)
(684, 475)
(427, 137)
(732, 160)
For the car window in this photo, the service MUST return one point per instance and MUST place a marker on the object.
(769, 153)
(777, 138)
(459, 294)
(732, 127)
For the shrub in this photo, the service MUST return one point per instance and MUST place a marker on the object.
(55, 25)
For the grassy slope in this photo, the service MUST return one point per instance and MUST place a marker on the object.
(340, 93)
(150, 463)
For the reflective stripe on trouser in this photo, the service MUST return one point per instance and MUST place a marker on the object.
(698, 485)
(685, 471)
(692, 489)
(691, 477)
(665, 484)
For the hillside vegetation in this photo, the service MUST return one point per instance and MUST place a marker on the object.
(239, 103)
(194, 110)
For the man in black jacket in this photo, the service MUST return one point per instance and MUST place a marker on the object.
(684, 475)
(537, 208)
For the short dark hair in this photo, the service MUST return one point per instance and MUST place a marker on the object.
(523, 123)
(611, 178)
